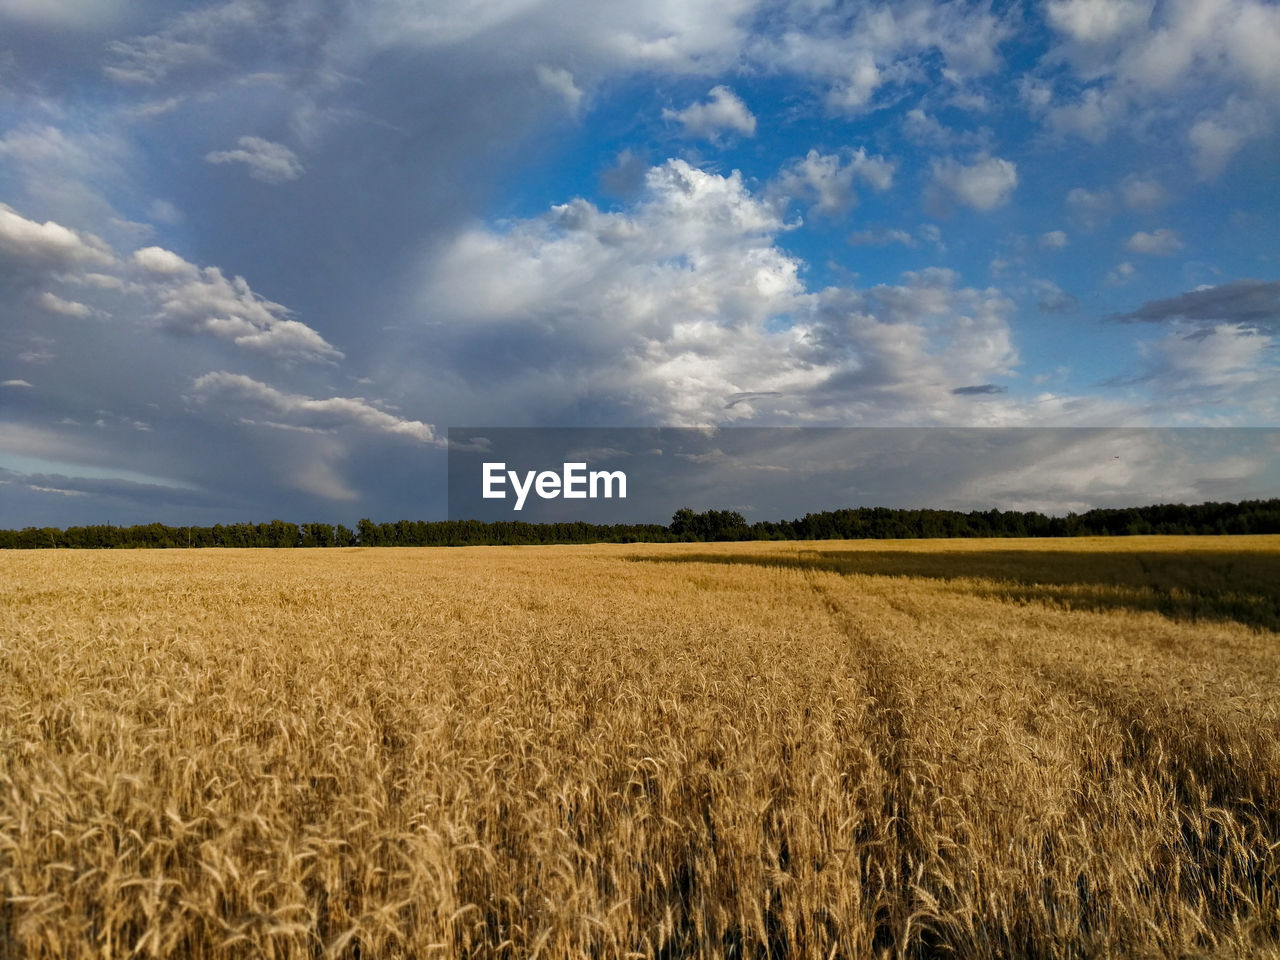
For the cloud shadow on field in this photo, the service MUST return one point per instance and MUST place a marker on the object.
(1240, 586)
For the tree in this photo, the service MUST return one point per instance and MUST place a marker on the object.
(682, 522)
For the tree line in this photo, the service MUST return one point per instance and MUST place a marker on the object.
(872, 523)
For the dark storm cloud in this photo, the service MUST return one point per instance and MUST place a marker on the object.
(1252, 302)
(109, 488)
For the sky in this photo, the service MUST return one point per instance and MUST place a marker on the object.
(256, 258)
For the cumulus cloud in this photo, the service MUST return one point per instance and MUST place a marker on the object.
(684, 310)
(164, 211)
(61, 170)
(209, 302)
(983, 185)
(189, 299)
(242, 393)
(1218, 135)
(1233, 39)
(1224, 367)
(626, 177)
(1088, 209)
(1098, 21)
(1121, 273)
(1217, 356)
(560, 82)
(160, 261)
(67, 308)
(1155, 63)
(1161, 243)
(1091, 117)
(1053, 240)
(47, 245)
(100, 281)
(881, 237)
(1052, 298)
(267, 161)
(826, 182)
(865, 53)
(1142, 193)
(723, 112)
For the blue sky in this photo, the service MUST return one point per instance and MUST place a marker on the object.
(256, 258)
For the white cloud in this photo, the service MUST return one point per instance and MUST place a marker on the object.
(101, 281)
(1142, 193)
(922, 127)
(1153, 66)
(681, 36)
(985, 184)
(1121, 273)
(1162, 242)
(626, 177)
(1053, 240)
(1098, 21)
(827, 184)
(1052, 298)
(1079, 470)
(1199, 39)
(161, 261)
(47, 244)
(689, 223)
(723, 112)
(853, 91)
(15, 383)
(163, 211)
(67, 308)
(683, 308)
(881, 237)
(560, 82)
(190, 300)
(875, 171)
(1089, 208)
(1091, 117)
(238, 390)
(73, 14)
(148, 60)
(865, 52)
(931, 233)
(1223, 368)
(210, 303)
(1219, 135)
(1035, 93)
(267, 161)
(188, 40)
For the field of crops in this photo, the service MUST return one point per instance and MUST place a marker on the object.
(902, 749)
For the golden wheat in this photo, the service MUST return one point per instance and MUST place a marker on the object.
(962, 749)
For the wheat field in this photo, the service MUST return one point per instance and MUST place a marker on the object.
(813, 750)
